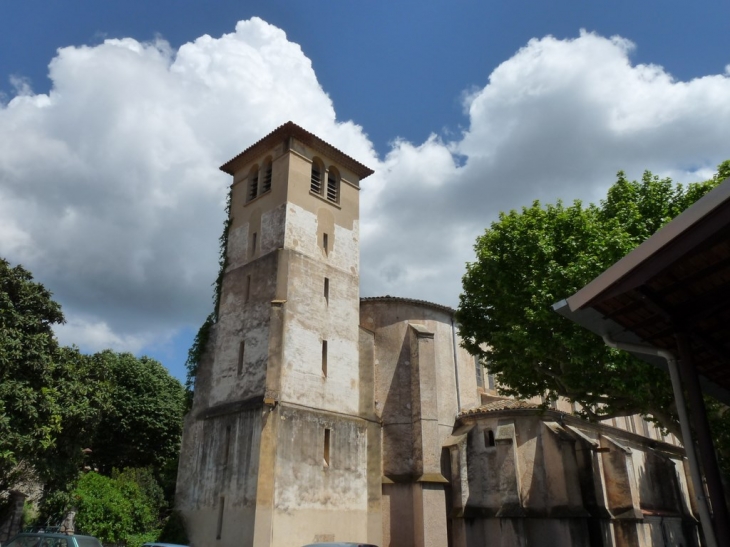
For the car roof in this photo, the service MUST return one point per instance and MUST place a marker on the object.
(49, 533)
(56, 535)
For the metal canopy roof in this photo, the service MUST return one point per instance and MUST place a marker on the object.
(678, 279)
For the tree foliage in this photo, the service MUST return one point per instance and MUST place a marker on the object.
(143, 426)
(62, 411)
(123, 508)
(528, 260)
(39, 416)
(84, 396)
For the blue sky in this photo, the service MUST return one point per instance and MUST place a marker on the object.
(398, 68)
(469, 104)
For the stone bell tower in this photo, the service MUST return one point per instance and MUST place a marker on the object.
(281, 447)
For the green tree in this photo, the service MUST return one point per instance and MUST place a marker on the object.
(143, 426)
(56, 402)
(30, 406)
(51, 397)
(123, 508)
(528, 260)
(128, 412)
(84, 394)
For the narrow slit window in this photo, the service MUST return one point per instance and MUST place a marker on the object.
(324, 358)
(254, 242)
(326, 458)
(325, 243)
(227, 447)
(489, 438)
(266, 184)
(241, 353)
(479, 372)
(327, 290)
(247, 294)
(219, 528)
(316, 180)
(490, 381)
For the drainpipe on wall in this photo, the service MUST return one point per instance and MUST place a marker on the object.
(689, 447)
(456, 366)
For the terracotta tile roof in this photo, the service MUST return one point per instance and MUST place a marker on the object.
(290, 129)
(388, 298)
(494, 406)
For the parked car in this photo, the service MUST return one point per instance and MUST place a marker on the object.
(51, 539)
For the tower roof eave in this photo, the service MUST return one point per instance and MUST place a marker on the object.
(290, 129)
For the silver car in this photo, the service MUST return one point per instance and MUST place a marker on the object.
(51, 539)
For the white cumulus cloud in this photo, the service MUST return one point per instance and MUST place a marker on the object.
(556, 120)
(110, 191)
(109, 185)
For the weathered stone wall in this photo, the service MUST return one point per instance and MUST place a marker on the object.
(416, 398)
(319, 390)
(220, 455)
(312, 319)
(282, 245)
(319, 498)
(526, 477)
(390, 319)
(245, 320)
(290, 443)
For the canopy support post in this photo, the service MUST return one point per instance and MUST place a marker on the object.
(698, 416)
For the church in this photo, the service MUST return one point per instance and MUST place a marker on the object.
(322, 416)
